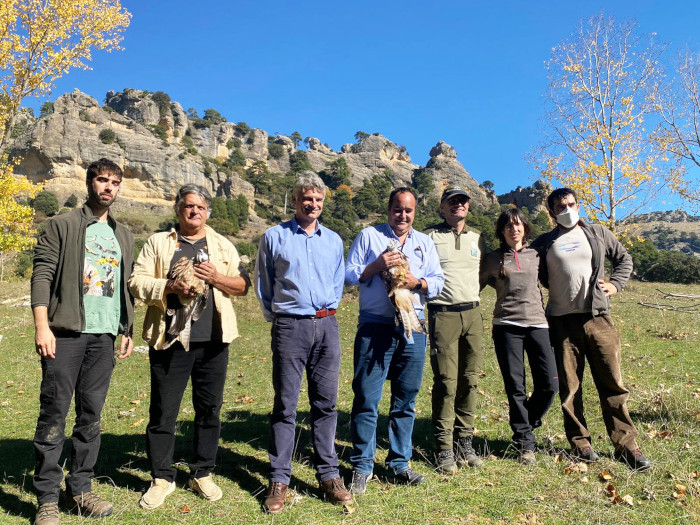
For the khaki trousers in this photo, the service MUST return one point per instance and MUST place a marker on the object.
(575, 339)
(456, 357)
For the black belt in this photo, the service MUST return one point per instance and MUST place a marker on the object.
(453, 307)
(325, 312)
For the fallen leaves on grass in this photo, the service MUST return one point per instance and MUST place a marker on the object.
(615, 498)
(576, 468)
(244, 399)
(605, 475)
(528, 518)
(185, 509)
(137, 423)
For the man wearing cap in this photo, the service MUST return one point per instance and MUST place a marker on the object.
(456, 333)
(299, 282)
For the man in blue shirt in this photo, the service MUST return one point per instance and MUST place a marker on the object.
(299, 283)
(381, 349)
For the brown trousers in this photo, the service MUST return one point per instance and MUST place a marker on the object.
(575, 338)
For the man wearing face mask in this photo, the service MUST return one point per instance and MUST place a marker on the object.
(580, 326)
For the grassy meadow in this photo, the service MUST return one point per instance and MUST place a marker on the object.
(661, 364)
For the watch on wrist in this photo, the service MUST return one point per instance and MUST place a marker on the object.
(417, 287)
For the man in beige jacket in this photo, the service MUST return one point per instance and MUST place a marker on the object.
(203, 356)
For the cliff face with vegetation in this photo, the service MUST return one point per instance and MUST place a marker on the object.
(160, 147)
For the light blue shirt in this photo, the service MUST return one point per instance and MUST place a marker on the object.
(297, 273)
(367, 246)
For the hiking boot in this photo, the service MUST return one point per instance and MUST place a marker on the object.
(334, 491)
(465, 453)
(276, 493)
(408, 477)
(527, 457)
(358, 484)
(634, 459)
(47, 514)
(446, 462)
(156, 494)
(88, 504)
(585, 454)
(206, 488)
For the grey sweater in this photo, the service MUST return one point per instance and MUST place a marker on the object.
(518, 297)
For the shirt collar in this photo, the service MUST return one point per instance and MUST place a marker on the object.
(298, 229)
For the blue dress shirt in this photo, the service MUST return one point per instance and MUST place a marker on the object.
(297, 273)
(375, 304)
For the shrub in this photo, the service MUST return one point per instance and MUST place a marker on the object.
(72, 201)
(46, 109)
(25, 261)
(236, 158)
(46, 202)
(162, 100)
(159, 131)
(138, 245)
(107, 136)
(189, 144)
(242, 128)
(247, 248)
(276, 151)
(213, 116)
(167, 224)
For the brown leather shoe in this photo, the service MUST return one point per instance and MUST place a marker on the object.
(274, 502)
(334, 491)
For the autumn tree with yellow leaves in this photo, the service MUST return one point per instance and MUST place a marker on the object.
(601, 86)
(40, 41)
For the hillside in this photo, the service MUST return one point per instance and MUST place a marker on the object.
(161, 147)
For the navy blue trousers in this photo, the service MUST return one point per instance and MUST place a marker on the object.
(298, 345)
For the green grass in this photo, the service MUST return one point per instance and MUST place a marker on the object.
(660, 363)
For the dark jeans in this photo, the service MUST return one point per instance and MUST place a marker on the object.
(171, 369)
(575, 338)
(511, 343)
(84, 365)
(298, 345)
(381, 353)
(456, 357)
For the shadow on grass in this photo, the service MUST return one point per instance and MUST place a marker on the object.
(17, 463)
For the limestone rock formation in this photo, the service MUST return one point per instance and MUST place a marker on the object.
(534, 197)
(446, 171)
(161, 147)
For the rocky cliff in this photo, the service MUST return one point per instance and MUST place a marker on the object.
(160, 147)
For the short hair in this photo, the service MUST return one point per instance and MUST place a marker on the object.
(102, 166)
(193, 189)
(558, 195)
(306, 181)
(511, 215)
(397, 191)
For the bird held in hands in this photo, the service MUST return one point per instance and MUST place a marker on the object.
(190, 309)
(394, 278)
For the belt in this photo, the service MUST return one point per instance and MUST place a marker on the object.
(325, 312)
(453, 307)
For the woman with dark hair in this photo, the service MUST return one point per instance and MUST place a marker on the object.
(519, 327)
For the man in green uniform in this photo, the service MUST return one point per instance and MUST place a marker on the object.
(456, 334)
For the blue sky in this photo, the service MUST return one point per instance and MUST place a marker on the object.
(470, 73)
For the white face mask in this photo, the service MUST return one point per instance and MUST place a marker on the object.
(568, 218)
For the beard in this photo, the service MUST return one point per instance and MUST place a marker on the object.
(104, 200)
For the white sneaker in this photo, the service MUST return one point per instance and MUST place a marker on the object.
(156, 494)
(206, 488)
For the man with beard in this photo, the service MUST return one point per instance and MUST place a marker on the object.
(299, 282)
(76, 327)
(580, 326)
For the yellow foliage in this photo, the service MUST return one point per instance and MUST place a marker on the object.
(16, 220)
(344, 187)
(41, 40)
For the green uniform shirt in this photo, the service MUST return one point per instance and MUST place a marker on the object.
(460, 255)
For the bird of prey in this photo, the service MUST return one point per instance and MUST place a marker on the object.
(191, 308)
(401, 298)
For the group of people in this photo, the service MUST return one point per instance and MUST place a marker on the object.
(85, 280)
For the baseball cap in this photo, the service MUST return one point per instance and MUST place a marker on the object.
(453, 191)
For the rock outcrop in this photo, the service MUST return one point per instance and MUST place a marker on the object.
(446, 171)
(161, 147)
(534, 197)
